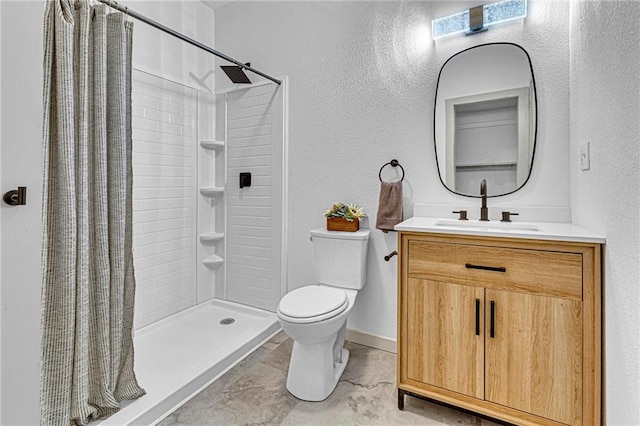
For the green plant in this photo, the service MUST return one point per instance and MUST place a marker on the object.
(346, 211)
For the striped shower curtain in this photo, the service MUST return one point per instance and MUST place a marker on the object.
(88, 283)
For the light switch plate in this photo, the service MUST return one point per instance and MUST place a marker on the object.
(585, 160)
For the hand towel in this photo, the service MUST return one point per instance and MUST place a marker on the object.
(389, 205)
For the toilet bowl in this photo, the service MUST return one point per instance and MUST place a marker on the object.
(315, 317)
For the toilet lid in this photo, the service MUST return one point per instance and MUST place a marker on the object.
(313, 301)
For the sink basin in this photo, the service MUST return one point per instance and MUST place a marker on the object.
(488, 226)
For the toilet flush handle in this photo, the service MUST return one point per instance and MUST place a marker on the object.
(390, 255)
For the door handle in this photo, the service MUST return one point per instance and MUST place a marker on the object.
(16, 197)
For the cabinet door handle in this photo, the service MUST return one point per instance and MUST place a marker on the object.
(486, 268)
(492, 319)
(477, 317)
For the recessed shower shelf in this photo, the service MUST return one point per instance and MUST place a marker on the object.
(211, 191)
(212, 144)
(213, 261)
(211, 237)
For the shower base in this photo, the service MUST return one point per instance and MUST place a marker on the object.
(178, 356)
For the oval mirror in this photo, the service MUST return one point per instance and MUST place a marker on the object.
(485, 120)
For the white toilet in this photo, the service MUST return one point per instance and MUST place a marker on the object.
(315, 316)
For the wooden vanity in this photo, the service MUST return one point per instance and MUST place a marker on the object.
(509, 328)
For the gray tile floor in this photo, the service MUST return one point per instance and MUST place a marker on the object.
(253, 392)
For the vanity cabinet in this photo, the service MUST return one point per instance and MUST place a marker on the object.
(508, 328)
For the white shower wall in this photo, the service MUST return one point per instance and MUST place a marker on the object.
(255, 215)
(164, 196)
(170, 214)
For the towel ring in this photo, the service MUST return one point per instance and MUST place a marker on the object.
(392, 163)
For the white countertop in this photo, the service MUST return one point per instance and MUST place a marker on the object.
(529, 230)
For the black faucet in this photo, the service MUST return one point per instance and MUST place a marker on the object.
(484, 211)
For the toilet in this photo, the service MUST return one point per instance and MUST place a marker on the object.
(315, 316)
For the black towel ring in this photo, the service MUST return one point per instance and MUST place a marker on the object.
(392, 163)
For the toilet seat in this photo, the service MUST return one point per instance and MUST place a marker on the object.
(312, 303)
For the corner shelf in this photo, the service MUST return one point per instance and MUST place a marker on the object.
(211, 191)
(213, 261)
(211, 237)
(214, 145)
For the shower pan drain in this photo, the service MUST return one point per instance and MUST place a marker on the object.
(227, 321)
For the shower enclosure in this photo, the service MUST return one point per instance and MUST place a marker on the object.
(208, 255)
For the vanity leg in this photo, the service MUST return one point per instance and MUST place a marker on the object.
(400, 399)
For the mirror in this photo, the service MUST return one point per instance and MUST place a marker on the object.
(485, 120)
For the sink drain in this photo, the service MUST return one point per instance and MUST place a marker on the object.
(227, 321)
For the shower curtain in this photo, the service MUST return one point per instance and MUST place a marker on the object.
(88, 277)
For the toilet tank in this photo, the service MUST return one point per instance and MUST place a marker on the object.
(340, 258)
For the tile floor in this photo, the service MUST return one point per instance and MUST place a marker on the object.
(253, 392)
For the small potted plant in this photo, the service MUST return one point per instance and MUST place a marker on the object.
(344, 217)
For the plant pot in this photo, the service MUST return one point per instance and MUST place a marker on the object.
(342, 224)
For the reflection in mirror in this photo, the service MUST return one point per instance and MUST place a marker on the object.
(485, 119)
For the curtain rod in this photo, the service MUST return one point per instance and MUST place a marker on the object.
(183, 37)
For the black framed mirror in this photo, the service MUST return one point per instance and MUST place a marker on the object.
(485, 120)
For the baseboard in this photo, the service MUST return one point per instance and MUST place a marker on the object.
(371, 340)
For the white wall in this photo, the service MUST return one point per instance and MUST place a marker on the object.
(21, 153)
(254, 214)
(20, 277)
(605, 110)
(164, 160)
(163, 55)
(362, 85)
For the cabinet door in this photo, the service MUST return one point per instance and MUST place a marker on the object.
(443, 348)
(534, 359)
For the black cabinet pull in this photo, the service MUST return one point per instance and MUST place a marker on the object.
(477, 317)
(492, 320)
(486, 268)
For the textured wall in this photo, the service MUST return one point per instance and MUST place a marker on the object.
(164, 197)
(362, 84)
(605, 110)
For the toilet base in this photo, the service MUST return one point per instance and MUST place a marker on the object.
(313, 374)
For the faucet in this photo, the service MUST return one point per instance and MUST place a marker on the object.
(484, 211)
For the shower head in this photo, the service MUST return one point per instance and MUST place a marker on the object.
(235, 73)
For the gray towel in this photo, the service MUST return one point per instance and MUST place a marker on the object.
(389, 205)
